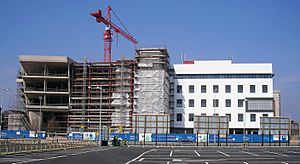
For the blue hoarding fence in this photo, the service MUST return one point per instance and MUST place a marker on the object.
(149, 137)
(11, 134)
(212, 138)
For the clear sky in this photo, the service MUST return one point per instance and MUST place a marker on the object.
(250, 31)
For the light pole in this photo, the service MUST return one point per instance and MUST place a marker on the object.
(100, 115)
(40, 119)
(244, 138)
(2, 105)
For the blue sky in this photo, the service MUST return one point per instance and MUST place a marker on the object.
(250, 31)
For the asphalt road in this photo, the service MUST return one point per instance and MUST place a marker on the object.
(166, 155)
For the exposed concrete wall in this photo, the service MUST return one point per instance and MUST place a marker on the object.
(34, 118)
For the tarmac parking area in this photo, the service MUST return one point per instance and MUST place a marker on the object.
(208, 155)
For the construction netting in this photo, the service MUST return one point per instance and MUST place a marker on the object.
(151, 92)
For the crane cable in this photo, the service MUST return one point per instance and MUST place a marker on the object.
(120, 21)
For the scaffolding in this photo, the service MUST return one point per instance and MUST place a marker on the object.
(152, 81)
(115, 98)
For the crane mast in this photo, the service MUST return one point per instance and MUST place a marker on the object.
(107, 35)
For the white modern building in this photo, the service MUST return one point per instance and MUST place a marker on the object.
(241, 91)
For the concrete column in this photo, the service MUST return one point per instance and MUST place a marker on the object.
(44, 100)
(45, 69)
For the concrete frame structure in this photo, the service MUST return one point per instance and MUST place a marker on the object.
(116, 83)
(48, 77)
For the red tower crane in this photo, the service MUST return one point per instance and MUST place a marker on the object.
(107, 35)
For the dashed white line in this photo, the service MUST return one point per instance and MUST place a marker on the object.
(197, 153)
(284, 162)
(295, 152)
(139, 156)
(276, 153)
(60, 156)
(171, 153)
(245, 163)
(223, 153)
(256, 155)
(206, 162)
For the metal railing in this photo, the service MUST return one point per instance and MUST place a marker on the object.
(35, 146)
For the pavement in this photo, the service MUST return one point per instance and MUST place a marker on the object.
(165, 155)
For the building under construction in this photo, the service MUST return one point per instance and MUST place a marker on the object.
(62, 95)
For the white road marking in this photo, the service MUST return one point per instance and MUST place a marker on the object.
(171, 153)
(245, 163)
(141, 159)
(206, 162)
(295, 152)
(197, 153)
(223, 153)
(139, 156)
(61, 156)
(168, 162)
(256, 155)
(177, 160)
(284, 162)
(276, 153)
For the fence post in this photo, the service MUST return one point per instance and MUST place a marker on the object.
(218, 138)
(226, 138)
(197, 138)
(262, 139)
(279, 139)
(207, 139)
(269, 139)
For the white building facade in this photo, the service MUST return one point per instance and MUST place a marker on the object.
(243, 92)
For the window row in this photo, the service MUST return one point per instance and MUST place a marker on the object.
(179, 103)
(240, 117)
(215, 89)
(221, 76)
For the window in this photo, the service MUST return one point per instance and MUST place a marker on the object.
(215, 103)
(191, 102)
(215, 88)
(191, 89)
(260, 104)
(252, 88)
(240, 102)
(203, 88)
(227, 103)
(265, 115)
(179, 117)
(227, 88)
(240, 117)
(203, 114)
(191, 117)
(240, 88)
(179, 88)
(252, 117)
(203, 102)
(229, 116)
(264, 89)
(179, 103)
